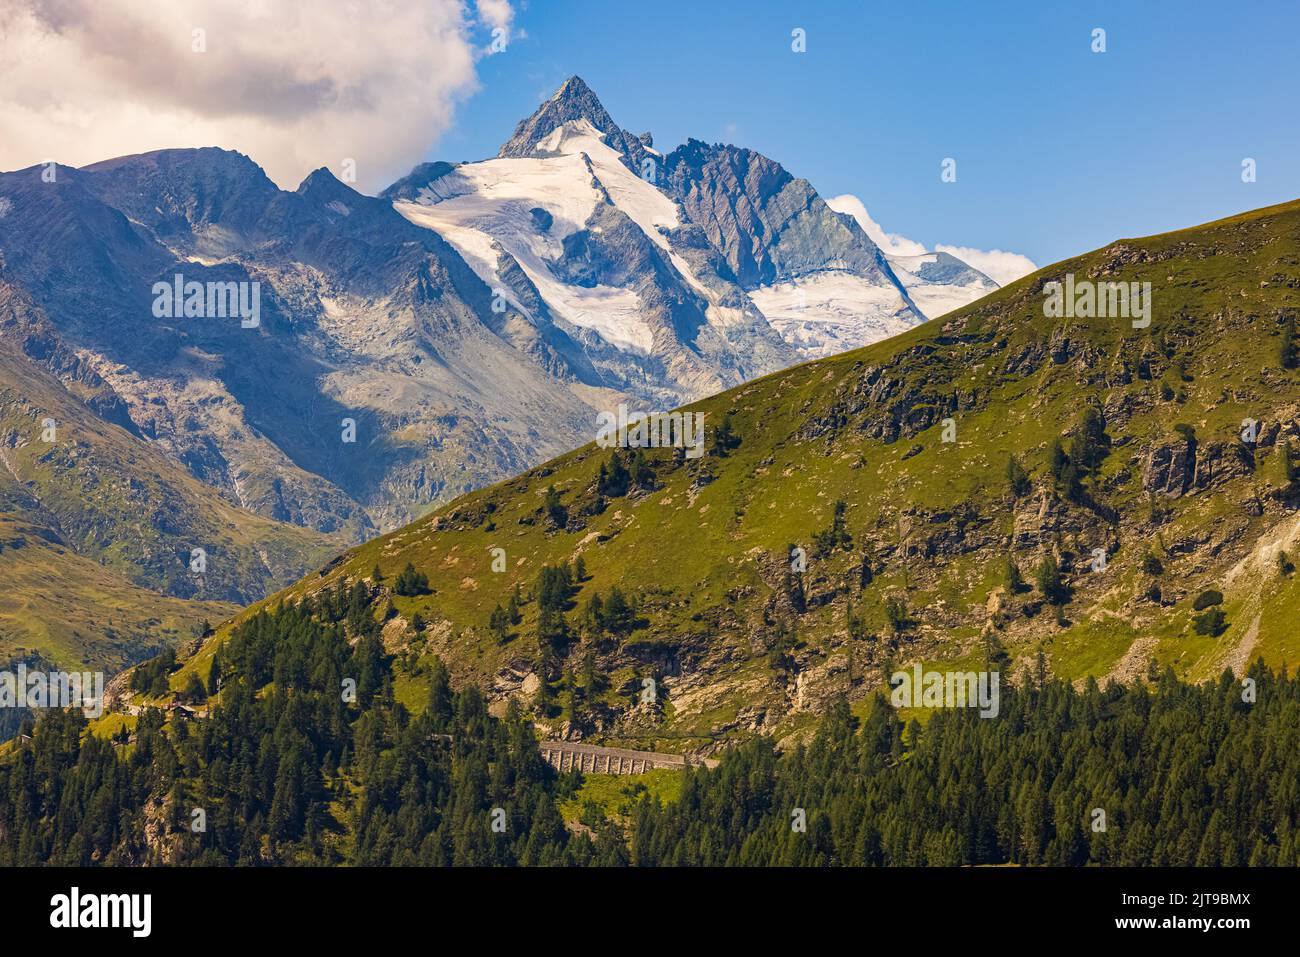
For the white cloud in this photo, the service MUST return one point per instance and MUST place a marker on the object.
(1002, 267)
(891, 243)
(496, 14)
(296, 86)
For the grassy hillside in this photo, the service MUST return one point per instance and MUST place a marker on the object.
(67, 609)
(97, 528)
(1156, 475)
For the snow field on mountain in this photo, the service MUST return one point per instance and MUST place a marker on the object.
(830, 311)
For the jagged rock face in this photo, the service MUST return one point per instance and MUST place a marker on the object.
(204, 202)
(816, 276)
(78, 488)
(28, 331)
(1039, 519)
(770, 226)
(745, 233)
(1220, 462)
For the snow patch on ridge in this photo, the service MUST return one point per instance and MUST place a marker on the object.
(830, 311)
(939, 283)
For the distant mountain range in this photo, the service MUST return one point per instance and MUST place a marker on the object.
(677, 274)
(463, 326)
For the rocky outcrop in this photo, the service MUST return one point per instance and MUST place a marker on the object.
(1220, 462)
(1038, 520)
(1184, 467)
(1169, 468)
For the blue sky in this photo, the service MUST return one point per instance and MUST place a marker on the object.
(1058, 149)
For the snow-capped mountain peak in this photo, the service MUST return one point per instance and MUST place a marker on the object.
(530, 209)
(666, 276)
(575, 101)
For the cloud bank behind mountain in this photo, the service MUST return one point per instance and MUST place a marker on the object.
(1000, 266)
(295, 86)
